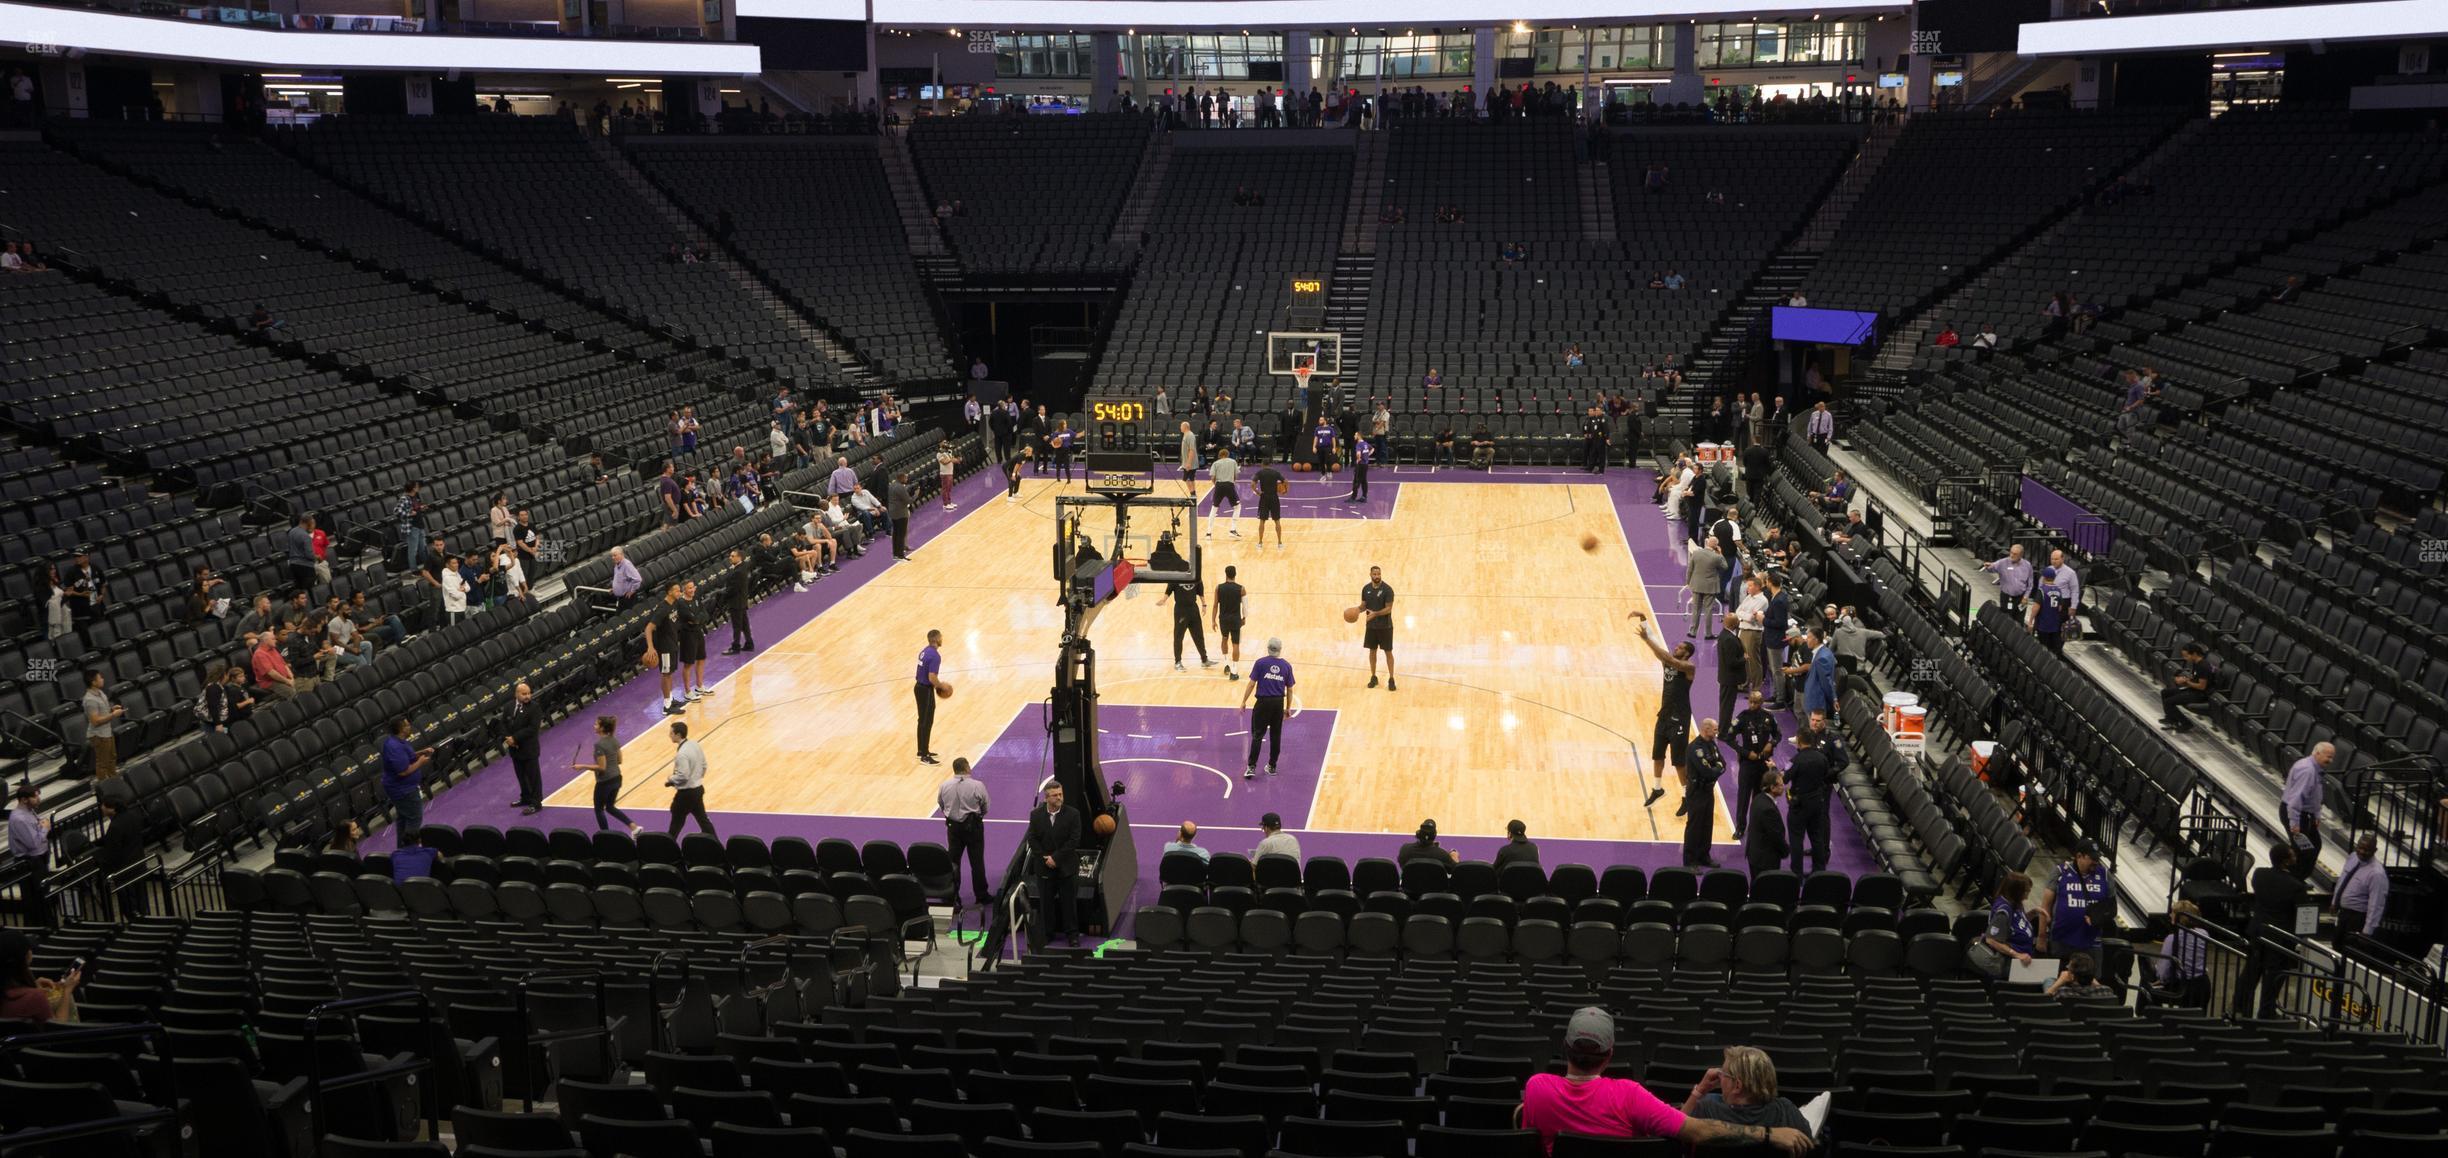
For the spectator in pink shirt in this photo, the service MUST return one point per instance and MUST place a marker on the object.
(1583, 1100)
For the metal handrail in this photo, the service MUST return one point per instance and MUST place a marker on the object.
(87, 1035)
(605, 1025)
(45, 1136)
(317, 1085)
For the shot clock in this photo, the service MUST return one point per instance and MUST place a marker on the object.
(1115, 421)
(1102, 410)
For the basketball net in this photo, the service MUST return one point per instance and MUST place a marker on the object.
(1300, 375)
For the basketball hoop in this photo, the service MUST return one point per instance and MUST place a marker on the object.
(1300, 376)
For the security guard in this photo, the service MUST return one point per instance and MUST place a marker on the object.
(1594, 441)
(1756, 736)
(1702, 768)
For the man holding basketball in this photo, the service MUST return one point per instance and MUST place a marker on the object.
(1270, 484)
(1377, 603)
(1270, 683)
(930, 662)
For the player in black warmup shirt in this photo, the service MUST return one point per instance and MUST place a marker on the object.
(692, 642)
(1270, 484)
(1673, 734)
(1185, 599)
(1228, 620)
(1377, 603)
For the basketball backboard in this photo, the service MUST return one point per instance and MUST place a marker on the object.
(1289, 351)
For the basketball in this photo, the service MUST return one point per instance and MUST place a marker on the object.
(943, 691)
(1589, 542)
(1351, 615)
(1103, 824)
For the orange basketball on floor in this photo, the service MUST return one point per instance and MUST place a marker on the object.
(1351, 615)
(943, 691)
(1589, 542)
(1103, 824)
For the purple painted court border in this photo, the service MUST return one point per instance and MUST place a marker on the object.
(1178, 763)
(484, 797)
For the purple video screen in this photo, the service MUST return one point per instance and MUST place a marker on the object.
(1826, 327)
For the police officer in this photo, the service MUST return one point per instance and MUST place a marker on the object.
(1756, 736)
(1270, 685)
(1831, 742)
(1594, 441)
(1808, 782)
(2080, 905)
(1733, 667)
(1701, 771)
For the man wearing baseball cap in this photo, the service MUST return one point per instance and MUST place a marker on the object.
(1276, 842)
(1583, 1100)
(2080, 903)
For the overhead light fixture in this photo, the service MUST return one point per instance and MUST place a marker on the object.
(632, 80)
(1520, 27)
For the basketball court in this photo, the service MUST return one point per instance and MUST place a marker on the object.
(1523, 689)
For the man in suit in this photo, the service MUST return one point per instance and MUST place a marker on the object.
(1764, 833)
(1004, 422)
(519, 730)
(2276, 892)
(122, 845)
(1732, 670)
(1702, 768)
(1054, 836)
(739, 591)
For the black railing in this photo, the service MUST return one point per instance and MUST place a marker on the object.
(539, 1046)
(319, 1087)
(46, 1139)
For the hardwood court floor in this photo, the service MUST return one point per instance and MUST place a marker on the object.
(1523, 686)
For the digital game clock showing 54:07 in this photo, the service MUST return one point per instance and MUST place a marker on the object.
(1114, 408)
